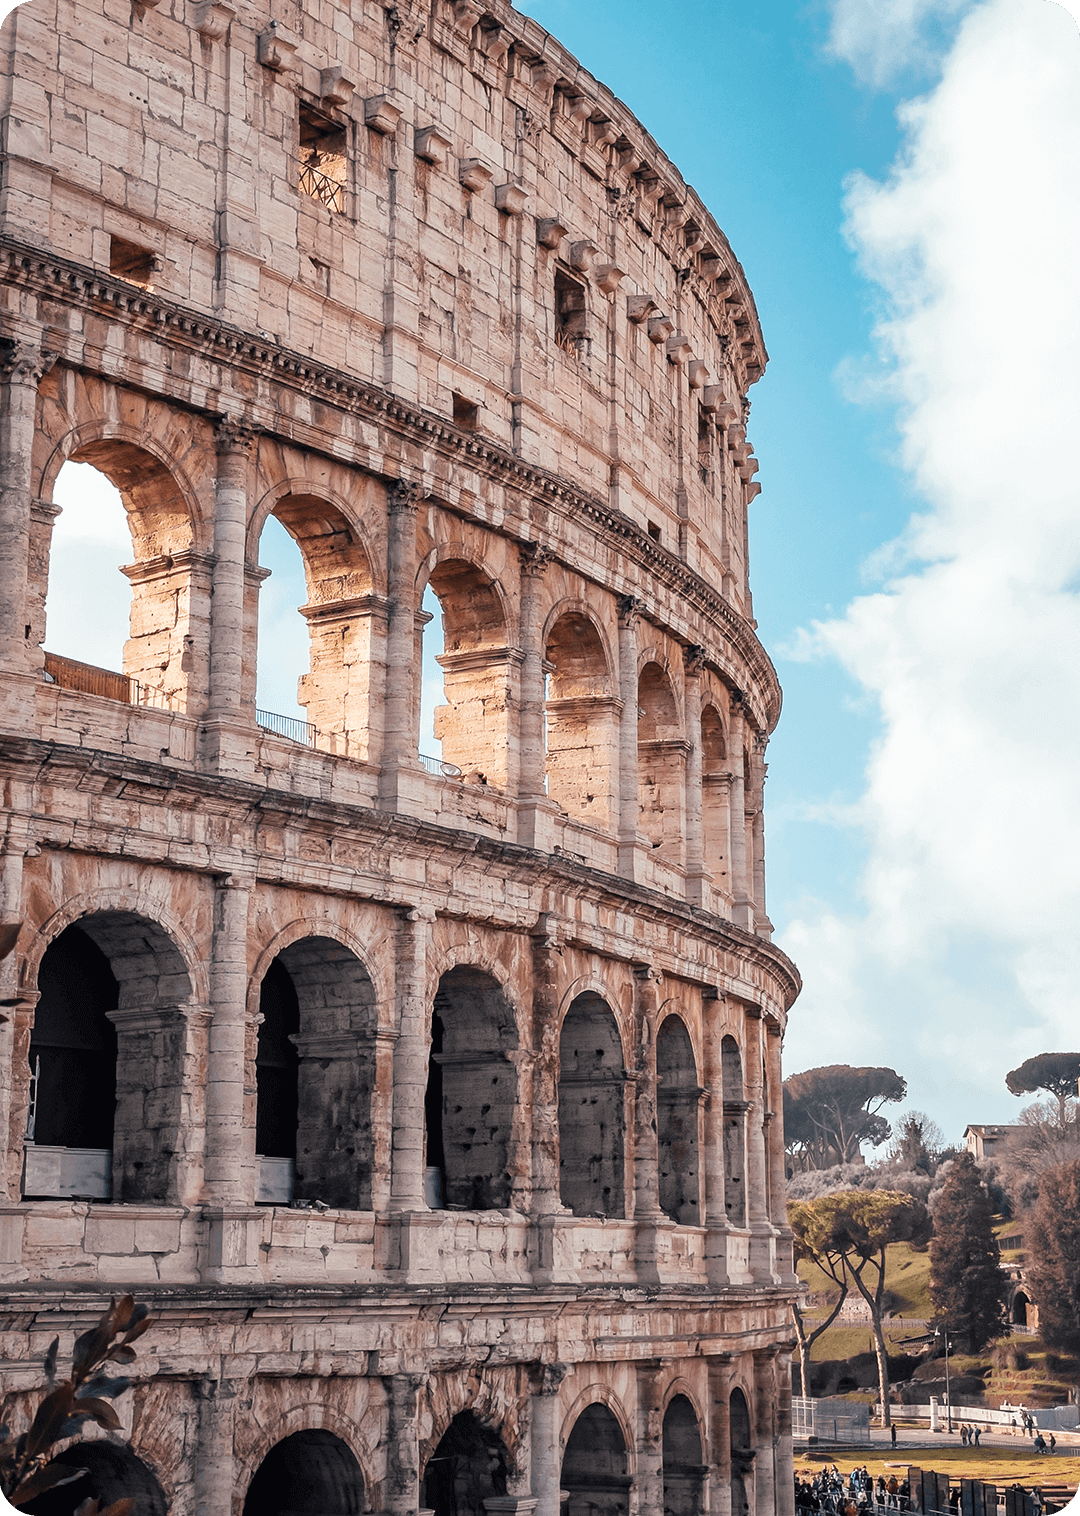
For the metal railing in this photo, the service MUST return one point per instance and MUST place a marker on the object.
(437, 767)
(287, 726)
(88, 679)
(321, 186)
(831, 1420)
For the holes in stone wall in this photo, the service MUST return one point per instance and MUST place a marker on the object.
(684, 1468)
(677, 1123)
(472, 1092)
(311, 1473)
(467, 1469)
(591, 1110)
(594, 1466)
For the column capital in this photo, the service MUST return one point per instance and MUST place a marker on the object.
(534, 559)
(631, 609)
(402, 495)
(421, 912)
(24, 360)
(694, 658)
(235, 437)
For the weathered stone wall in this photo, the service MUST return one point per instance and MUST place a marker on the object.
(517, 1027)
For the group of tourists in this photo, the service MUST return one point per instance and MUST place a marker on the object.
(969, 1436)
(830, 1494)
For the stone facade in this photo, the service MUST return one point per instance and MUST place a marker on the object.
(447, 1135)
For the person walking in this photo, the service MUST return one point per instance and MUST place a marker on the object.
(1053, 1442)
(892, 1434)
(963, 1435)
(977, 1434)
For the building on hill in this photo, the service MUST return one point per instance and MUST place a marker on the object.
(983, 1141)
(434, 1103)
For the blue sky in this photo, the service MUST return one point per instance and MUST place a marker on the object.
(899, 178)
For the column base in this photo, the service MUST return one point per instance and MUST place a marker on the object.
(18, 702)
(228, 746)
(232, 1244)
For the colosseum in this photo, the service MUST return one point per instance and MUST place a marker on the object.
(432, 1101)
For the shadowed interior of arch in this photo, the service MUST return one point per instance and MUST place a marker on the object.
(113, 1472)
(684, 1468)
(741, 1451)
(581, 721)
(661, 764)
(594, 1466)
(467, 1468)
(311, 1473)
(591, 1110)
(734, 1132)
(472, 726)
(715, 799)
(677, 1123)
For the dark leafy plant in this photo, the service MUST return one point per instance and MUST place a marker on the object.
(25, 1468)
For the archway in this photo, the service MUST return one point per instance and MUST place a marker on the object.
(473, 725)
(594, 1466)
(112, 989)
(113, 1472)
(677, 1123)
(163, 660)
(318, 986)
(662, 753)
(734, 1132)
(715, 799)
(591, 1110)
(1020, 1307)
(311, 1473)
(467, 1469)
(471, 1093)
(582, 722)
(741, 1451)
(684, 1467)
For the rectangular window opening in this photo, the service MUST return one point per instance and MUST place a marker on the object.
(571, 313)
(654, 531)
(323, 158)
(466, 413)
(127, 260)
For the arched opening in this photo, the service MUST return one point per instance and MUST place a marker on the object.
(662, 753)
(113, 1472)
(742, 1452)
(594, 1466)
(677, 1097)
(105, 1057)
(322, 989)
(592, 1119)
(69, 1134)
(284, 654)
(311, 1473)
(121, 516)
(735, 1107)
(582, 722)
(684, 1467)
(715, 799)
(473, 724)
(432, 692)
(333, 675)
(471, 1093)
(467, 1469)
(1020, 1307)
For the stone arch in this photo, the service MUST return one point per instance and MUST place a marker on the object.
(471, 1092)
(683, 1460)
(316, 1057)
(741, 1450)
(595, 1465)
(312, 1472)
(716, 794)
(582, 717)
(662, 755)
(259, 1441)
(677, 1106)
(341, 608)
(735, 1108)
(478, 665)
(592, 1115)
(466, 1469)
(143, 991)
(1019, 1309)
(113, 1472)
(167, 651)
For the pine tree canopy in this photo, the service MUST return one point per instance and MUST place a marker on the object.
(968, 1286)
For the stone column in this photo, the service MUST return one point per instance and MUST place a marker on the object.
(785, 1452)
(715, 1217)
(716, 802)
(718, 1457)
(765, 1431)
(742, 906)
(694, 664)
(400, 706)
(410, 1061)
(532, 747)
(227, 742)
(630, 610)
(15, 1034)
(401, 1490)
(757, 1215)
(215, 1467)
(546, 1439)
(774, 1122)
(23, 364)
(756, 829)
(547, 964)
(649, 1483)
(229, 1172)
(647, 1212)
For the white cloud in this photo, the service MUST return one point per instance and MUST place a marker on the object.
(968, 950)
(883, 40)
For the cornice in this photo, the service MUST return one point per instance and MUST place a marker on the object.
(380, 828)
(61, 280)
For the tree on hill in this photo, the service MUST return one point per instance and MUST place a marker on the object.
(968, 1286)
(813, 1245)
(917, 1145)
(829, 1111)
(859, 1226)
(1056, 1073)
(1052, 1235)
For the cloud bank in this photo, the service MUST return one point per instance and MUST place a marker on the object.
(968, 955)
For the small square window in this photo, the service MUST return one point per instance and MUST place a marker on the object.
(466, 413)
(127, 260)
(323, 158)
(654, 531)
(571, 312)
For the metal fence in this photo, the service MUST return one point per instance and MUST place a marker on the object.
(287, 726)
(437, 767)
(88, 679)
(830, 1420)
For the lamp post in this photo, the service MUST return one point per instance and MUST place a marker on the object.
(944, 1332)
